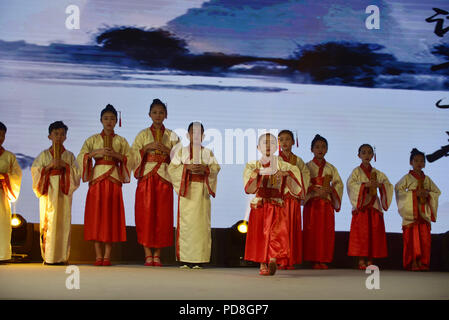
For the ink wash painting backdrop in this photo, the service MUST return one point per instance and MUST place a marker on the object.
(330, 67)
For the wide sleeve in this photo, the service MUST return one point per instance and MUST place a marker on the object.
(293, 181)
(126, 166)
(356, 190)
(40, 176)
(305, 174)
(337, 190)
(85, 163)
(404, 199)
(432, 200)
(177, 173)
(74, 173)
(211, 174)
(385, 190)
(138, 154)
(12, 179)
(251, 177)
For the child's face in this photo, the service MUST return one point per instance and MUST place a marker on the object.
(2, 137)
(58, 135)
(418, 162)
(286, 142)
(196, 135)
(109, 120)
(158, 114)
(366, 154)
(268, 146)
(319, 149)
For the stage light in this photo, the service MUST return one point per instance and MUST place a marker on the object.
(242, 227)
(21, 238)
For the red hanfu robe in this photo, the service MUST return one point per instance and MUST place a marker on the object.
(154, 193)
(291, 212)
(268, 233)
(318, 216)
(367, 236)
(104, 216)
(416, 217)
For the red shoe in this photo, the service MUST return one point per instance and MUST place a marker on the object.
(157, 263)
(106, 262)
(148, 264)
(324, 266)
(282, 267)
(264, 272)
(98, 262)
(316, 266)
(290, 268)
(424, 268)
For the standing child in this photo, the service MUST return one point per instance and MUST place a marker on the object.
(292, 204)
(267, 240)
(154, 193)
(55, 176)
(10, 179)
(417, 199)
(323, 199)
(104, 216)
(193, 171)
(367, 238)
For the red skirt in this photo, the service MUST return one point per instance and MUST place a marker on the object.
(318, 231)
(417, 243)
(291, 213)
(104, 215)
(154, 212)
(367, 237)
(267, 235)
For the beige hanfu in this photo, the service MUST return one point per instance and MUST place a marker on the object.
(193, 231)
(55, 188)
(10, 179)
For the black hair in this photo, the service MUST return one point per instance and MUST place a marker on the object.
(109, 108)
(366, 145)
(287, 132)
(157, 102)
(57, 125)
(316, 139)
(415, 152)
(195, 123)
(2, 127)
(264, 135)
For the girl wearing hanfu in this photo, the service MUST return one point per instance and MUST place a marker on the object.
(154, 193)
(105, 161)
(323, 199)
(367, 238)
(56, 176)
(10, 180)
(417, 200)
(193, 172)
(292, 204)
(268, 238)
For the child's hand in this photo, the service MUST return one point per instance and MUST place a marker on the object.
(97, 153)
(111, 153)
(150, 146)
(268, 171)
(198, 168)
(422, 193)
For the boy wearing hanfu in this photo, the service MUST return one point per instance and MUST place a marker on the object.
(56, 176)
(193, 172)
(10, 179)
(267, 240)
(367, 238)
(417, 200)
(104, 215)
(292, 203)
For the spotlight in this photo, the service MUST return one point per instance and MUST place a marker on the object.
(242, 227)
(21, 238)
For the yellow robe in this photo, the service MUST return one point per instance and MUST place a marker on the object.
(55, 204)
(405, 199)
(336, 183)
(354, 187)
(91, 173)
(305, 175)
(193, 230)
(10, 179)
(144, 137)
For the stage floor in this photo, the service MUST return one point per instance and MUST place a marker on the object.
(38, 281)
